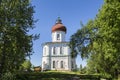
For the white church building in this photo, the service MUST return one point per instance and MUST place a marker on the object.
(56, 54)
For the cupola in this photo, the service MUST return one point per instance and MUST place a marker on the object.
(59, 26)
(58, 31)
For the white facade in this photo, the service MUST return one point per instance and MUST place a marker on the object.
(58, 36)
(56, 54)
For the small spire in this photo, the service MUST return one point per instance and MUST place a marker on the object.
(58, 20)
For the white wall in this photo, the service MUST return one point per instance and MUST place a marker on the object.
(49, 56)
(45, 50)
(58, 60)
(54, 36)
(57, 47)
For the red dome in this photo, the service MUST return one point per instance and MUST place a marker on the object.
(59, 26)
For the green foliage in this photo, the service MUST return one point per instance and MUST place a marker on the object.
(55, 76)
(26, 65)
(8, 76)
(52, 79)
(81, 42)
(98, 41)
(82, 69)
(16, 19)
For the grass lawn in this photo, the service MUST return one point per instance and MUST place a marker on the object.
(56, 75)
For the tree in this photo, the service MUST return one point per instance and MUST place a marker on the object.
(103, 46)
(16, 19)
(8, 76)
(81, 41)
(27, 65)
(108, 22)
(82, 69)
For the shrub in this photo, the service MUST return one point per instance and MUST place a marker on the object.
(8, 76)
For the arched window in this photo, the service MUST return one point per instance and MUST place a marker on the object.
(53, 64)
(58, 36)
(62, 64)
(61, 50)
(53, 50)
(72, 64)
(56, 64)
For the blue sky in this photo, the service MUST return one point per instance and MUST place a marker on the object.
(72, 12)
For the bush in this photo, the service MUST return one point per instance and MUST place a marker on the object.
(52, 79)
(8, 76)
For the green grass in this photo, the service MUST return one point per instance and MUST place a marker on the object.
(62, 72)
(55, 75)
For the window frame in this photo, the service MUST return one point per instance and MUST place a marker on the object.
(62, 64)
(53, 64)
(58, 36)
